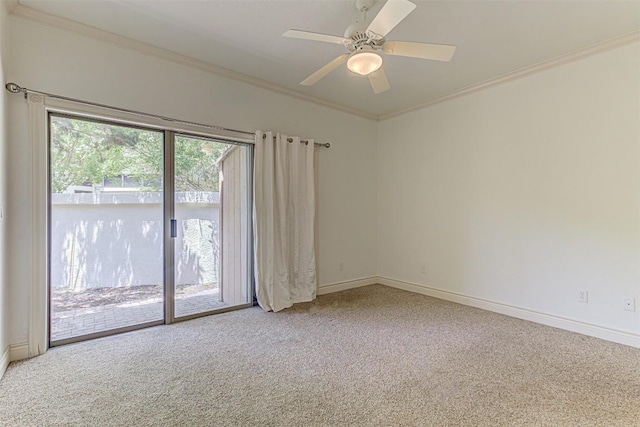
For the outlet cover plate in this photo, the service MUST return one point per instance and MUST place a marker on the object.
(583, 296)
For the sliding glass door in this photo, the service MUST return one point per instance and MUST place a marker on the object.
(146, 227)
(106, 216)
(211, 225)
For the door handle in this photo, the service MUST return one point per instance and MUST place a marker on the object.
(174, 228)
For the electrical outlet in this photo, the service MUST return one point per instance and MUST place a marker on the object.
(341, 266)
(583, 296)
(424, 269)
(630, 304)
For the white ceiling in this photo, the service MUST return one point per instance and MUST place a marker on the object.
(492, 37)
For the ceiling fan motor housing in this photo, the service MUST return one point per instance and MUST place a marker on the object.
(357, 33)
(354, 29)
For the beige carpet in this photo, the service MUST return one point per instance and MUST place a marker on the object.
(368, 356)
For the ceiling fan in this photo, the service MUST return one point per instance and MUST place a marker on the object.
(364, 43)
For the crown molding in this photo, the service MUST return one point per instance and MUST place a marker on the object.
(22, 11)
(522, 72)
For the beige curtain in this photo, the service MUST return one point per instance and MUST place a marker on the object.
(283, 220)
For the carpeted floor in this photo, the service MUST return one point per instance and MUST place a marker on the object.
(368, 356)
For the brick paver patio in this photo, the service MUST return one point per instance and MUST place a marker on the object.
(84, 321)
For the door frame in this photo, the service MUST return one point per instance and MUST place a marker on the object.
(39, 108)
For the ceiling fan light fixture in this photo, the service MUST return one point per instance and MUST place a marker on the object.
(364, 63)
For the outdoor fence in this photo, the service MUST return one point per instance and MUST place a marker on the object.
(116, 239)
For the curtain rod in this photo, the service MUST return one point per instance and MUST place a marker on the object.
(303, 141)
(14, 88)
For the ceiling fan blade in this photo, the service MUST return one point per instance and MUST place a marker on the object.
(379, 82)
(322, 72)
(389, 16)
(437, 52)
(306, 35)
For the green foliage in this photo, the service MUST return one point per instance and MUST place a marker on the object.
(87, 153)
(195, 163)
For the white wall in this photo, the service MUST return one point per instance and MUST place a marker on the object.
(4, 135)
(59, 62)
(520, 194)
(523, 193)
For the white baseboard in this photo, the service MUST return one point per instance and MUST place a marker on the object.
(18, 351)
(4, 361)
(608, 334)
(343, 286)
(12, 353)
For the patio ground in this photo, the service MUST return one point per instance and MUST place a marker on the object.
(101, 309)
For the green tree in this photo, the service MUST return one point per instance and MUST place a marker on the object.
(196, 164)
(88, 153)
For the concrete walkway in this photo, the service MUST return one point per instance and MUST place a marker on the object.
(84, 321)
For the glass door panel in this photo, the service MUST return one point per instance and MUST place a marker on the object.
(106, 228)
(212, 225)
